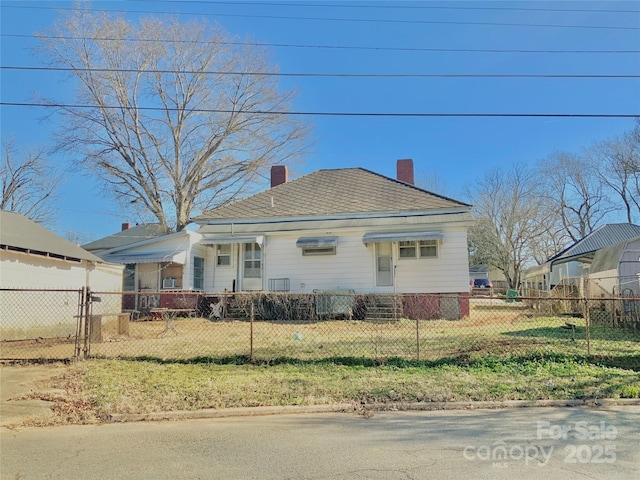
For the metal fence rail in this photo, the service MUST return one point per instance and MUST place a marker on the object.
(64, 324)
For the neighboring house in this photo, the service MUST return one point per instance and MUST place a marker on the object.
(32, 257)
(339, 230)
(126, 236)
(170, 263)
(575, 261)
(616, 270)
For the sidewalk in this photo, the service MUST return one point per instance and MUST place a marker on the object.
(17, 381)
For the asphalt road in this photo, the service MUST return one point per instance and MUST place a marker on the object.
(531, 443)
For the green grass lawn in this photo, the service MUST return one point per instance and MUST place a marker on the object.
(502, 352)
(98, 387)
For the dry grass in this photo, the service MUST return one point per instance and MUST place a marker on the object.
(493, 327)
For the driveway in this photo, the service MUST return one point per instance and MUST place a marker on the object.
(527, 443)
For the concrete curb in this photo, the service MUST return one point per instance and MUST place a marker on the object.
(362, 409)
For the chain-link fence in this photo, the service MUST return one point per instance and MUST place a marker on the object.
(62, 324)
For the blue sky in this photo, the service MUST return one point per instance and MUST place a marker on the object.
(456, 150)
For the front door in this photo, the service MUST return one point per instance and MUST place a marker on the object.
(384, 265)
(251, 266)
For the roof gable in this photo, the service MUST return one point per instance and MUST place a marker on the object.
(335, 191)
(602, 237)
(19, 233)
(135, 234)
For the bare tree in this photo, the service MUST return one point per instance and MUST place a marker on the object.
(574, 192)
(617, 164)
(29, 184)
(510, 219)
(172, 116)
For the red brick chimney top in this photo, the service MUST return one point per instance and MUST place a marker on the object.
(405, 171)
(279, 175)
(126, 226)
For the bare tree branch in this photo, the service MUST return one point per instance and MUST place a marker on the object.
(617, 164)
(574, 191)
(179, 161)
(511, 221)
(29, 184)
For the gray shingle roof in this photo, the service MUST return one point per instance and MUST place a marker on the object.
(18, 232)
(337, 191)
(132, 235)
(603, 237)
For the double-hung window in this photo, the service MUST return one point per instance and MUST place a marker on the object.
(223, 255)
(418, 249)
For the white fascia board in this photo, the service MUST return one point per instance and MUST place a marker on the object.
(460, 218)
(193, 236)
(336, 216)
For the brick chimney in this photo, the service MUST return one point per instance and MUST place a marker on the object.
(279, 175)
(126, 226)
(405, 171)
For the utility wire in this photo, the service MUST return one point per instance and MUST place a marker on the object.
(328, 114)
(389, 7)
(342, 47)
(315, 74)
(330, 19)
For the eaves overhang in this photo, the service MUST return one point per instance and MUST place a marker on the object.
(334, 216)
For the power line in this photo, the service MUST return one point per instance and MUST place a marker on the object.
(358, 20)
(341, 47)
(394, 7)
(317, 74)
(332, 114)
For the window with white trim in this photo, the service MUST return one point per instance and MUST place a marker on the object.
(306, 251)
(428, 248)
(223, 255)
(407, 249)
(418, 249)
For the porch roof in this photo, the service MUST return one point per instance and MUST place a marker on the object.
(228, 239)
(376, 237)
(152, 257)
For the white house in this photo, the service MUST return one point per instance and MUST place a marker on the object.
(332, 230)
(339, 229)
(33, 262)
(169, 263)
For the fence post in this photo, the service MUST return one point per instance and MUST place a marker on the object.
(87, 322)
(79, 324)
(251, 316)
(417, 338)
(587, 321)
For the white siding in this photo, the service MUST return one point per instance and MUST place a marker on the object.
(26, 314)
(353, 266)
(219, 279)
(448, 273)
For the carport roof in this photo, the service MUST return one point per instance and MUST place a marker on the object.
(607, 235)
